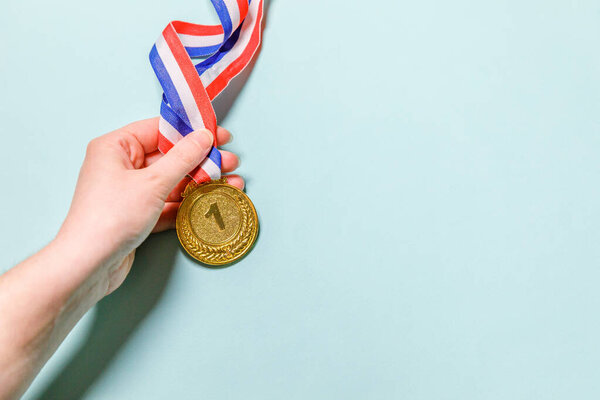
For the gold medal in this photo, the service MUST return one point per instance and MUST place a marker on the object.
(216, 222)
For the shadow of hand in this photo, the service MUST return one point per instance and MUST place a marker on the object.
(117, 316)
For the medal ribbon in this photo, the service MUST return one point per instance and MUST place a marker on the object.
(189, 88)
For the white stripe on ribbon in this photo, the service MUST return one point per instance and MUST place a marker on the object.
(211, 168)
(200, 41)
(182, 87)
(247, 29)
(168, 131)
(234, 13)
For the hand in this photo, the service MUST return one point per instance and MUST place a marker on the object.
(128, 189)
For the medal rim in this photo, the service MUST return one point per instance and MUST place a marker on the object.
(186, 236)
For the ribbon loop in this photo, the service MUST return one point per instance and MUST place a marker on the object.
(189, 89)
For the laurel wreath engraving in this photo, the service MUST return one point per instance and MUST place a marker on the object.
(220, 254)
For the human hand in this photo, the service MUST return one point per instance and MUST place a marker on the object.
(128, 189)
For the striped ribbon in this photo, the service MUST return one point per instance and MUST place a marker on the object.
(189, 88)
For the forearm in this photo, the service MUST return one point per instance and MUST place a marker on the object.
(41, 300)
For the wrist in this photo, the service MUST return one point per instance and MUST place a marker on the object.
(90, 265)
(93, 244)
(73, 266)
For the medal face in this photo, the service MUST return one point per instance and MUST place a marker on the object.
(216, 223)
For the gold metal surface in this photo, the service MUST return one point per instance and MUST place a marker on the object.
(216, 222)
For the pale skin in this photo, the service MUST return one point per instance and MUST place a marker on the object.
(126, 190)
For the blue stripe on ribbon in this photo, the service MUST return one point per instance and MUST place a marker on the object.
(167, 84)
(202, 51)
(172, 118)
(223, 13)
(215, 156)
(224, 49)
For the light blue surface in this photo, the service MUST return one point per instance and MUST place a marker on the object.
(426, 175)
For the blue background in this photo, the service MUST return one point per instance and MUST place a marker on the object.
(426, 175)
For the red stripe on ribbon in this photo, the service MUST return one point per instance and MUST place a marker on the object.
(239, 63)
(198, 30)
(164, 144)
(192, 78)
(199, 175)
(243, 6)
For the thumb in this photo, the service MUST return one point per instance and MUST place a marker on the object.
(182, 158)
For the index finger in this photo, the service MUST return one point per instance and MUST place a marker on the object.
(145, 132)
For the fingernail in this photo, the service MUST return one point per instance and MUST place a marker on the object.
(230, 138)
(204, 137)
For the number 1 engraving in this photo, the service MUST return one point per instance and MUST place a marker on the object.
(214, 211)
